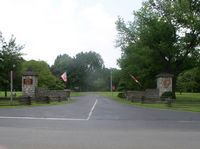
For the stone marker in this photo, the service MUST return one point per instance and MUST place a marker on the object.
(164, 83)
(29, 83)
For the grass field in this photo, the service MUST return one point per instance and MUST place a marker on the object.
(188, 97)
(184, 102)
(8, 94)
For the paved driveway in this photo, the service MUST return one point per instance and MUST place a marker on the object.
(96, 122)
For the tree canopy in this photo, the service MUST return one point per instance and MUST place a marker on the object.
(164, 37)
(10, 59)
(85, 71)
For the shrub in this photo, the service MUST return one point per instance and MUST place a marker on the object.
(167, 95)
(121, 95)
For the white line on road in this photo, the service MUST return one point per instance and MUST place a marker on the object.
(91, 111)
(53, 119)
(194, 121)
(42, 118)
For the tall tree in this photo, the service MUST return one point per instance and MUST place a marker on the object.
(164, 37)
(61, 64)
(10, 59)
(45, 77)
(88, 69)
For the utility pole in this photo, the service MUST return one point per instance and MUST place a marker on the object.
(11, 84)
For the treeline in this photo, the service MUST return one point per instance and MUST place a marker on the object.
(85, 71)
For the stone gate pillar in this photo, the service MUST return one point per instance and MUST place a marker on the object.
(29, 83)
(164, 83)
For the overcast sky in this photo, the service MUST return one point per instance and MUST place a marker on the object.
(48, 28)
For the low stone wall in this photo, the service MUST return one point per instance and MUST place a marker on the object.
(149, 95)
(52, 94)
(135, 96)
(152, 94)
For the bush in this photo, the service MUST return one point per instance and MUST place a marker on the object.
(167, 95)
(121, 95)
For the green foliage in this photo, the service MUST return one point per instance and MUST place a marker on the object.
(167, 95)
(85, 71)
(62, 64)
(189, 81)
(122, 86)
(89, 66)
(116, 76)
(164, 37)
(10, 59)
(45, 77)
(121, 95)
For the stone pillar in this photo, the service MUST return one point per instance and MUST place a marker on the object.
(29, 83)
(164, 83)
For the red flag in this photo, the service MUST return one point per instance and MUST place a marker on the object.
(64, 76)
(135, 80)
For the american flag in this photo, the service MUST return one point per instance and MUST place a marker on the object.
(64, 77)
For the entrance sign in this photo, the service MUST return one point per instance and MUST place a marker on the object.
(29, 83)
(164, 83)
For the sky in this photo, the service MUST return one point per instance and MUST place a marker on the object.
(49, 28)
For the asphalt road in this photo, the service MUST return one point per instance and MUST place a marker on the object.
(95, 122)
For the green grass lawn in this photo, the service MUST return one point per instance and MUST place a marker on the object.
(6, 103)
(76, 94)
(184, 102)
(188, 97)
(2, 94)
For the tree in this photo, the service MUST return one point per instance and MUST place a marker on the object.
(189, 81)
(10, 59)
(89, 66)
(164, 37)
(45, 77)
(115, 77)
(85, 71)
(61, 64)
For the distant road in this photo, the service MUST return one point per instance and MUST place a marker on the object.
(95, 122)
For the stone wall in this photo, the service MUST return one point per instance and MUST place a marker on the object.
(29, 84)
(152, 94)
(147, 95)
(52, 94)
(134, 96)
(164, 83)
